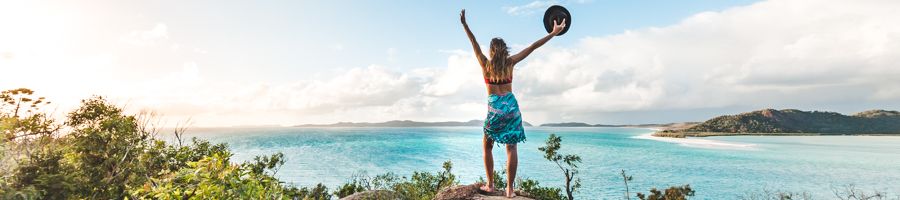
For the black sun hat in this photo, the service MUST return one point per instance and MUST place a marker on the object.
(558, 13)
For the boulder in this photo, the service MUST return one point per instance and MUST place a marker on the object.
(471, 192)
(373, 195)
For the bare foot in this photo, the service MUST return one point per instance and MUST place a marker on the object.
(510, 193)
(487, 188)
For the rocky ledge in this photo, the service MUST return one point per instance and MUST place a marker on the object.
(471, 192)
(460, 192)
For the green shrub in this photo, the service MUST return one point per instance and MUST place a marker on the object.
(499, 179)
(673, 193)
(106, 154)
(349, 188)
(534, 189)
(421, 185)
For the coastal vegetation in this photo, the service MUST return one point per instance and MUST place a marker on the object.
(793, 122)
(101, 152)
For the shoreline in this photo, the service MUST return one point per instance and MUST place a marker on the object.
(660, 133)
(698, 143)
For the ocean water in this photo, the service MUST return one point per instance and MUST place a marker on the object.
(716, 167)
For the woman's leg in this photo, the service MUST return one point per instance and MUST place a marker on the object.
(488, 163)
(512, 162)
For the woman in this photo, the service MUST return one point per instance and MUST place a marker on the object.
(504, 121)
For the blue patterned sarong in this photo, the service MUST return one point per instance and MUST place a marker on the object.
(504, 121)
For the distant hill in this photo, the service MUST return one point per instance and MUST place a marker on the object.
(797, 121)
(567, 124)
(582, 124)
(402, 123)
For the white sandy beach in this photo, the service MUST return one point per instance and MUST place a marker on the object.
(699, 143)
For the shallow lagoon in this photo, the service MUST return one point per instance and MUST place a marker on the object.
(813, 164)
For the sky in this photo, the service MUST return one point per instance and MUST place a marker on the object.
(239, 63)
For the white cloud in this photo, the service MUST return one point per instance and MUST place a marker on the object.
(769, 54)
(538, 6)
(773, 53)
(337, 47)
(779, 53)
(529, 8)
(158, 33)
(392, 54)
(462, 72)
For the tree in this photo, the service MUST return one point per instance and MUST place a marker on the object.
(107, 154)
(107, 145)
(551, 153)
(26, 137)
(626, 178)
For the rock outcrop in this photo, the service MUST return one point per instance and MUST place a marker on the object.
(471, 192)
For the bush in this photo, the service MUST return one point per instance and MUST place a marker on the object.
(348, 189)
(499, 179)
(422, 185)
(107, 154)
(534, 189)
(673, 193)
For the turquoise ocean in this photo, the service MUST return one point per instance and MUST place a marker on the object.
(716, 167)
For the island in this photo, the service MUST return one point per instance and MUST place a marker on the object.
(792, 122)
(656, 126)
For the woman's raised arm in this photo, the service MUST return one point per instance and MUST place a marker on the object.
(525, 52)
(478, 55)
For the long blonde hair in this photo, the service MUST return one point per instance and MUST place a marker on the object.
(498, 69)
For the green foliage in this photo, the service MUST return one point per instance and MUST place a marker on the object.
(534, 189)
(424, 185)
(107, 154)
(26, 138)
(214, 177)
(105, 148)
(421, 185)
(19, 101)
(499, 179)
(570, 170)
(319, 192)
(48, 172)
(673, 193)
(349, 188)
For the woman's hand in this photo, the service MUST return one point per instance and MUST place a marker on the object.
(462, 16)
(558, 27)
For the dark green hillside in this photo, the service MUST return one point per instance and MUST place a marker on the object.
(797, 121)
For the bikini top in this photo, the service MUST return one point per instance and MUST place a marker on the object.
(498, 82)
